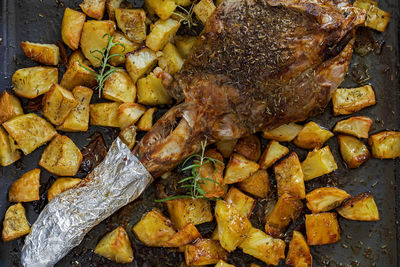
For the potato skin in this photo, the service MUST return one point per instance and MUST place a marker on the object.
(71, 27)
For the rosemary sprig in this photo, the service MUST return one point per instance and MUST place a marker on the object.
(105, 69)
(187, 16)
(194, 182)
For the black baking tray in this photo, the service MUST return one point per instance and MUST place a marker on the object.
(361, 244)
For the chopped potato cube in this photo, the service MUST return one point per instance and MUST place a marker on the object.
(239, 168)
(299, 254)
(311, 136)
(77, 56)
(257, 184)
(34, 81)
(10, 106)
(289, 177)
(361, 208)
(139, 62)
(146, 121)
(61, 157)
(272, 153)
(322, 228)
(249, 147)
(385, 145)
(47, 54)
(128, 136)
(204, 252)
(115, 246)
(214, 187)
(358, 126)
(347, 101)
(353, 151)
(325, 199)
(78, 74)
(170, 61)
(132, 23)
(186, 235)
(112, 5)
(29, 131)
(104, 114)
(226, 147)
(183, 2)
(184, 211)
(15, 223)
(242, 202)
(376, 19)
(163, 8)
(128, 46)
(129, 113)
(71, 28)
(204, 9)
(26, 188)
(161, 33)
(8, 150)
(93, 8)
(221, 263)
(152, 92)
(60, 185)
(318, 162)
(119, 87)
(284, 133)
(184, 44)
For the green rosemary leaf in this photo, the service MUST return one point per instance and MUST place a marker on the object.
(172, 198)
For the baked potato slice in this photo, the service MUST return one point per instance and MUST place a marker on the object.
(318, 162)
(128, 46)
(77, 56)
(257, 184)
(186, 235)
(376, 19)
(132, 23)
(242, 202)
(151, 91)
(129, 113)
(8, 150)
(119, 87)
(221, 263)
(353, 151)
(299, 254)
(128, 136)
(15, 223)
(357, 126)
(60, 185)
(184, 44)
(93, 8)
(26, 188)
(361, 208)
(161, 33)
(47, 54)
(226, 147)
(249, 147)
(146, 121)
(289, 177)
(184, 211)
(170, 61)
(239, 168)
(163, 8)
(10, 106)
(347, 101)
(325, 199)
(214, 188)
(385, 145)
(71, 27)
(78, 74)
(311, 136)
(104, 114)
(283, 133)
(204, 252)
(322, 228)
(203, 10)
(272, 153)
(140, 62)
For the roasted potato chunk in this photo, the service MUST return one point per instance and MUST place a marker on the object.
(77, 56)
(151, 91)
(284, 133)
(214, 187)
(358, 126)
(353, 151)
(128, 136)
(311, 136)
(129, 113)
(263, 247)
(26, 188)
(347, 101)
(242, 202)
(112, 5)
(47, 54)
(239, 168)
(204, 252)
(140, 62)
(161, 33)
(170, 61)
(186, 235)
(299, 254)
(8, 150)
(29, 131)
(360, 208)
(318, 162)
(376, 19)
(119, 87)
(184, 44)
(15, 223)
(128, 46)
(93, 8)
(289, 177)
(232, 226)
(221, 263)
(249, 147)
(385, 145)
(61, 157)
(60, 185)
(132, 23)
(34, 81)
(322, 228)
(257, 184)
(115, 246)
(104, 114)
(204, 9)
(226, 147)
(154, 229)
(325, 199)
(10, 106)
(146, 121)
(78, 74)
(272, 153)
(163, 8)
(71, 27)
(184, 211)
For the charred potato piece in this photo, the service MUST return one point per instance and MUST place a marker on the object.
(77, 56)
(146, 121)
(104, 114)
(284, 133)
(15, 223)
(376, 19)
(358, 126)
(347, 101)
(204, 9)
(93, 8)
(322, 228)
(184, 211)
(129, 113)
(385, 145)
(128, 136)
(132, 23)
(161, 33)
(47, 54)
(242, 202)
(60, 185)
(221, 263)
(10, 106)
(204, 252)
(361, 208)
(78, 74)
(151, 91)
(34, 81)
(128, 46)
(226, 147)
(154, 229)
(311, 136)
(26, 188)
(119, 87)
(299, 254)
(272, 153)
(71, 27)
(214, 187)
(318, 162)
(140, 62)
(239, 168)
(325, 199)
(184, 44)
(257, 184)
(8, 150)
(249, 147)
(115, 246)
(353, 151)
(29, 131)
(61, 157)
(186, 235)
(289, 177)
(163, 8)
(170, 61)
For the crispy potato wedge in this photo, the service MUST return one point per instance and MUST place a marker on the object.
(239, 168)
(128, 136)
(318, 163)
(10, 106)
(71, 27)
(163, 8)
(299, 254)
(170, 61)
(129, 113)
(132, 23)
(129, 46)
(347, 101)
(226, 147)
(61, 157)
(15, 223)
(360, 208)
(29, 131)
(151, 91)
(283, 133)
(104, 114)
(221, 263)
(215, 173)
(322, 228)
(146, 121)
(112, 5)
(184, 211)
(204, 9)
(289, 177)
(57, 104)
(26, 188)
(385, 145)
(353, 151)
(119, 87)
(232, 226)
(311, 136)
(34, 81)
(140, 62)
(184, 44)
(161, 33)
(242, 202)
(377, 19)
(358, 126)
(263, 247)
(93, 8)
(47, 54)
(249, 147)
(204, 252)
(8, 150)
(77, 56)
(115, 246)
(186, 235)
(154, 229)
(78, 74)
(325, 199)
(257, 184)
(272, 153)
(286, 209)
(60, 185)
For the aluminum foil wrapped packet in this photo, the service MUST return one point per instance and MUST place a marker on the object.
(63, 223)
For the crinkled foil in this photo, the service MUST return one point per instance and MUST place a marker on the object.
(63, 223)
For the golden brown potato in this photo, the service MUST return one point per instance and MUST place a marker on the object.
(47, 54)
(272, 153)
(249, 147)
(252, 264)
(353, 151)
(286, 209)
(146, 121)
(115, 246)
(318, 162)
(361, 208)
(284, 133)
(29, 131)
(325, 199)
(140, 62)
(78, 74)
(163, 8)
(299, 254)
(204, 9)
(311, 136)
(385, 145)
(10, 106)
(77, 56)
(161, 33)
(104, 114)
(226, 147)
(26, 188)
(184, 44)
(61, 157)
(184, 211)
(151, 91)
(93, 38)
(128, 136)
(257, 184)
(34, 81)
(242, 202)
(112, 5)
(119, 87)
(170, 61)
(154, 229)
(263, 247)
(239, 168)
(358, 126)
(376, 19)
(93, 8)
(289, 177)
(8, 150)
(221, 263)
(57, 104)
(232, 226)
(322, 228)
(15, 223)
(71, 27)
(347, 101)
(60, 185)
(186, 235)
(129, 113)
(128, 46)
(204, 252)
(214, 172)
(132, 23)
